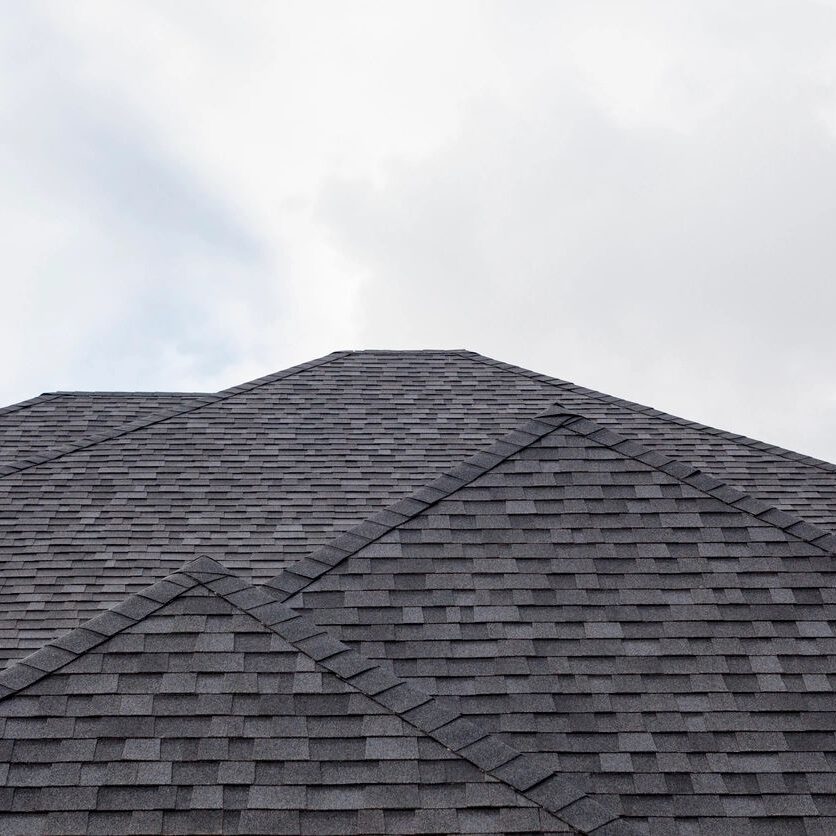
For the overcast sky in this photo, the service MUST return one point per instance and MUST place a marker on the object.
(639, 197)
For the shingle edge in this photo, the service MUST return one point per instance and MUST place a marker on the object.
(69, 646)
(704, 482)
(17, 407)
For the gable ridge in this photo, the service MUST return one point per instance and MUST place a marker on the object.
(115, 393)
(704, 482)
(209, 398)
(531, 777)
(125, 429)
(742, 440)
(296, 577)
(60, 651)
(249, 385)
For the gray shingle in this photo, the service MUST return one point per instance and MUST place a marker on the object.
(320, 448)
(605, 594)
(127, 748)
(582, 602)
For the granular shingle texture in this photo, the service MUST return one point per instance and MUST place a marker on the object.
(63, 419)
(791, 481)
(581, 602)
(617, 625)
(198, 719)
(266, 472)
(260, 478)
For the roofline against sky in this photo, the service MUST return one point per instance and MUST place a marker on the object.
(209, 397)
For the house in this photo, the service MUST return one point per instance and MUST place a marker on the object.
(410, 592)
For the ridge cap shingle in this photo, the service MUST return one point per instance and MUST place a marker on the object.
(20, 405)
(548, 788)
(116, 393)
(63, 649)
(298, 575)
(705, 482)
(125, 429)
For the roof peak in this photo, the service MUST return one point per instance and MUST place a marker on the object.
(558, 383)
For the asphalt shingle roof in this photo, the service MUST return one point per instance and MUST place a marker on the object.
(640, 605)
(796, 483)
(258, 476)
(268, 471)
(651, 627)
(201, 705)
(62, 420)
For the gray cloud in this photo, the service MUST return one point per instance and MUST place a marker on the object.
(638, 197)
(132, 253)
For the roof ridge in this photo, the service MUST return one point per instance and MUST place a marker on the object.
(70, 393)
(406, 350)
(527, 775)
(60, 651)
(742, 440)
(279, 375)
(702, 481)
(298, 575)
(63, 649)
(559, 419)
(85, 442)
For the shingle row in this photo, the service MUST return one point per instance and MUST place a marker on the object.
(261, 476)
(800, 484)
(224, 709)
(639, 620)
(269, 471)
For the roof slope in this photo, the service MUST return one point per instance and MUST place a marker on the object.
(643, 622)
(270, 470)
(60, 419)
(262, 475)
(199, 705)
(635, 626)
(788, 480)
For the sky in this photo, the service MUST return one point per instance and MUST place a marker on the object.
(639, 197)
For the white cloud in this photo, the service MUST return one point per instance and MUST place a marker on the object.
(636, 196)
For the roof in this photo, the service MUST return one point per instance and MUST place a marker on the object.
(202, 705)
(584, 599)
(641, 604)
(60, 420)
